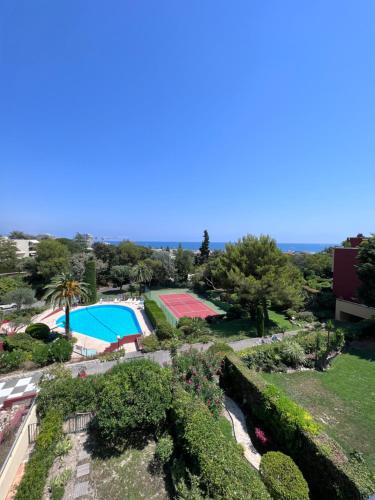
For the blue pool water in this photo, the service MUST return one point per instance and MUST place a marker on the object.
(103, 322)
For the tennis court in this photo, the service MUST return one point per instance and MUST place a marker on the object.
(185, 305)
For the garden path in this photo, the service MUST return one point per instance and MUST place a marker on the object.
(236, 417)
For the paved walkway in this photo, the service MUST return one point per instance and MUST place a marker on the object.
(17, 384)
(236, 417)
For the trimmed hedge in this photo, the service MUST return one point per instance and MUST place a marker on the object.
(224, 471)
(34, 479)
(325, 466)
(154, 313)
(282, 477)
(159, 321)
(38, 331)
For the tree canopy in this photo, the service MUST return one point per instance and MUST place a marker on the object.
(255, 271)
(8, 256)
(52, 258)
(366, 271)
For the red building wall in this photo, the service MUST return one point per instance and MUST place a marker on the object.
(345, 279)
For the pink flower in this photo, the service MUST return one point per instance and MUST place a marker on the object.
(261, 436)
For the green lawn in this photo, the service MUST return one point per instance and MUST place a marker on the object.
(237, 329)
(342, 399)
(129, 475)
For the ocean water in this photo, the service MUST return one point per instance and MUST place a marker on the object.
(220, 245)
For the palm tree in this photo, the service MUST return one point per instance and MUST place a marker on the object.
(142, 273)
(64, 291)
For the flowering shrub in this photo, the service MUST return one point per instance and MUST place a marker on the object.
(196, 372)
(261, 437)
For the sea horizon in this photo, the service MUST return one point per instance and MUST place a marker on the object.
(220, 245)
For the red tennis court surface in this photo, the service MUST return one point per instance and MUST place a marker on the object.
(183, 304)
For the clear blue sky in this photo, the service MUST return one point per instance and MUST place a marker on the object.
(156, 119)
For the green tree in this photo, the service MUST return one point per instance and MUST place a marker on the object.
(72, 245)
(204, 250)
(52, 258)
(21, 297)
(134, 397)
(106, 253)
(120, 275)
(8, 256)
(255, 271)
(366, 271)
(141, 274)
(8, 284)
(89, 278)
(183, 265)
(193, 327)
(260, 321)
(64, 291)
(20, 235)
(130, 253)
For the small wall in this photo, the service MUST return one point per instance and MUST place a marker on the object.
(345, 307)
(16, 455)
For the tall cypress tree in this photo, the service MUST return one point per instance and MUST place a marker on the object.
(89, 277)
(260, 321)
(204, 250)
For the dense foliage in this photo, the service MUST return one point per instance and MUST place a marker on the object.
(59, 390)
(134, 397)
(254, 271)
(89, 278)
(159, 321)
(325, 466)
(41, 460)
(225, 474)
(8, 256)
(282, 477)
(366, 271)
(196, 372)
(305, 349)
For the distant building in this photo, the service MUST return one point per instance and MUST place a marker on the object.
(346, 282)
(25, 248)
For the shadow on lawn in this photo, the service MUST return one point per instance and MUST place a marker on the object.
(96, 446)
(364, 349)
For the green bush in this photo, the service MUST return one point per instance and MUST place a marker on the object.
(60, 350)
(163, 329)
(323, 462)
(38, 331)
(282, 477)
(150, 343)
(41, 354)
(292, 354)
(196, 372)
(20, 341)
(224, 471)
(220, 349)
(11, 360)
(164, 449)
(41, 460)
(154, 313)
(60, 391)
(134, 397)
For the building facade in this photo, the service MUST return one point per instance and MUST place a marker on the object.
(346, 282)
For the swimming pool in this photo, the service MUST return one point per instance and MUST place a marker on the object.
(103, 322)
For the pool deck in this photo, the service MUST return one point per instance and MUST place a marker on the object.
(50, 316)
